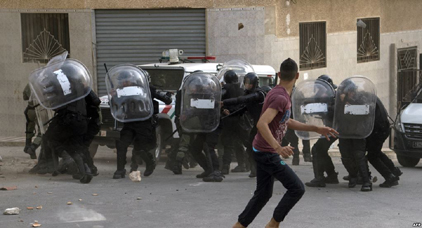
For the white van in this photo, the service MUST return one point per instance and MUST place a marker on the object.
(406, 136)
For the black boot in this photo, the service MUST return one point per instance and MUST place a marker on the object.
(119, 174)
(397, 172)
(390, 181)
(295, 161)
(316, 182)
(149, 162)
(352, 182)
(253, 171)
(332, 179)
(87, 177)
(204, 174)
(27, 145)
(225, 169)
(366, 187)
(215, 176)
(307, 157)
(239, 169)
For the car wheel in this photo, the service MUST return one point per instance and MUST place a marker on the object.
(157, 150)
(407, 161)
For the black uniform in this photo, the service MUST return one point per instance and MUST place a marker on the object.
(66, 132)
(375, 156)
(353, 150)
(254, 100)
(232, 133)
(94, 121)
(178, 155)
(142, 135)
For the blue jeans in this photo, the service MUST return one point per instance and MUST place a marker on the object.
(270, 166)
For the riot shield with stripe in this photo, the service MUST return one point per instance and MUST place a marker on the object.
(129, 93)
(60, 83)
(354, 113)
(200, 106)
(313, 103)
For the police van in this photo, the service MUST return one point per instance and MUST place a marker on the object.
(167, 76)
(406, 135)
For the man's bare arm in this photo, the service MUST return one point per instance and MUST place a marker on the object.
(326, 131)
(265, 132)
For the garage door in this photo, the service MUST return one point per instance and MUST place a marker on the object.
(140, 36)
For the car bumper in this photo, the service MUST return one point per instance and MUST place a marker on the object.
(404, 146)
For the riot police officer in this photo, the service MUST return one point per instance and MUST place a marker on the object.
(132, 103)
(231, 136)
(200, 115)
(354, 124)
(253, 99)
(62, 86)
(374, 143)
(321, 161)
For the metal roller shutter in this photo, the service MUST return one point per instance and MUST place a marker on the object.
(140, 36)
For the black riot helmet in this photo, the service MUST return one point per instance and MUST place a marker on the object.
(349, 86)
(251, 79)
(327, 78)
(266, 88)
(230, 77)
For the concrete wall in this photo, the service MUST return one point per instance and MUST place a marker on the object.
(14, 73)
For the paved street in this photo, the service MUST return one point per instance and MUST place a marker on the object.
(167, 200)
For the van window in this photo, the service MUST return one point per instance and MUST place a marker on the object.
(265, 81)
(166, 79)
(418, 98)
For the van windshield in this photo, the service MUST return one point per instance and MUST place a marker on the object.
(268, 81)
(166, 79)
(418, 96)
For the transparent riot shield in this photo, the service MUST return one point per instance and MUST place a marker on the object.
(313, 103)
(129, 93)
(354, 113)
(60, 83)
(239, 66)
(43, 117)
(200, 106)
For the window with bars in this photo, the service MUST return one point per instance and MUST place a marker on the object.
(313, 45)
(368, 40)
(408, 76)
(44, 35)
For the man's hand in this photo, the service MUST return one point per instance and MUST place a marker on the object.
(327, 131)
(226, 112)
(285, 151)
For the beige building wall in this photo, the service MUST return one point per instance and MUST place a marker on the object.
(255, 43)
(268, 35)
(14, 73)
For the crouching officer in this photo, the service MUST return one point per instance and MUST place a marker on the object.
(354, 120)
(374, 142)
(132, 103)
(62, 86)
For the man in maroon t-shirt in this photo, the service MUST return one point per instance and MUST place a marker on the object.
(272, 127)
